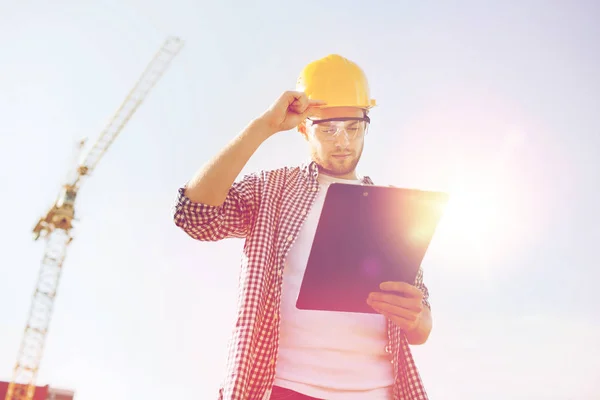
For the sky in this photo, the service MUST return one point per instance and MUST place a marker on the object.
(495, 102)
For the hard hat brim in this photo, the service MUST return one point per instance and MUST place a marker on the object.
(372, 104)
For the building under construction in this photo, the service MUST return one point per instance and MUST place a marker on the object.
(42, 392)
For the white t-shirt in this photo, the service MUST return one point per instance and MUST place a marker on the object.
(329, 355)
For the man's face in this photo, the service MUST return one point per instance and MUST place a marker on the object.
(336, 146)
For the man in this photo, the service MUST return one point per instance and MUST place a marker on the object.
(277, 351)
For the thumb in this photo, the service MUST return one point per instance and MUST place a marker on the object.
(312, 104)
(306, 113)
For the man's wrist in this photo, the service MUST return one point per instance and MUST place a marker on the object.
(261, 128)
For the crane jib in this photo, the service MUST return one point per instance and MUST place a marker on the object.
(56, 225)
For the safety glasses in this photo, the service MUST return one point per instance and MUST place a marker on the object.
(328, 130)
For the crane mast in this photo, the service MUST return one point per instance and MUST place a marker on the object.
(55, 227)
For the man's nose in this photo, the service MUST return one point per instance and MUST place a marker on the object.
(342, 139)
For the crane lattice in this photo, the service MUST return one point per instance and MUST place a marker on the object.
(55, 227)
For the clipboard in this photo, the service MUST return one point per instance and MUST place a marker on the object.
(367, 235)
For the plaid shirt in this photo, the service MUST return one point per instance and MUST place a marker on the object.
(267, 209)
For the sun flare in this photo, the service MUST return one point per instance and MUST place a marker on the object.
(472, 229)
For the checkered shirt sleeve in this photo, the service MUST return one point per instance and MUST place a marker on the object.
(232, 219)
(420, 284)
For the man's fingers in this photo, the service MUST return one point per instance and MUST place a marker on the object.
(296, 101)
(402, 287)
(400, 302)
(299, 103)
(315, 103)
(390, 309)
(412, 303)
(292, 95)
(310, 108)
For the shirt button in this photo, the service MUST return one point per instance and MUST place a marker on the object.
(279, 272)
(314, 189)
(272, 362)
(290, 238)
(303, 213)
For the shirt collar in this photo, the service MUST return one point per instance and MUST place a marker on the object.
(311, 171)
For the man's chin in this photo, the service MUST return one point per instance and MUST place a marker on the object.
(336, 171)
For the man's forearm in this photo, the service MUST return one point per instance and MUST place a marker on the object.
(211, 184)
(420, 334)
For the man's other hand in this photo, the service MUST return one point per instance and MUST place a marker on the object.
(400, 302)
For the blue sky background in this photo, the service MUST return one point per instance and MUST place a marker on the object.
(498, 98)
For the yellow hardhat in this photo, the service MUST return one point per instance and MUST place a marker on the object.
(337, 81)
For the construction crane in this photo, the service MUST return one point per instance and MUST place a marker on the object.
(55, 227)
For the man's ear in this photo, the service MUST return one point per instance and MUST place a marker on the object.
(302, 129)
